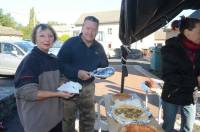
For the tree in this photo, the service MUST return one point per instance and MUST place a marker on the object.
(63, 38)
(32, 18)
(26, 32)
(7, 20)
(32, 22)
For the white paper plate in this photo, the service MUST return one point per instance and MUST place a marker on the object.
(71, 87)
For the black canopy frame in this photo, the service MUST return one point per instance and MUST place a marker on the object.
(139, 18)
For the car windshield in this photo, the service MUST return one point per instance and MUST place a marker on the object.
(57, 45)
(27, 46)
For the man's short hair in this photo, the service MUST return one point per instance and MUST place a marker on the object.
(91, 18)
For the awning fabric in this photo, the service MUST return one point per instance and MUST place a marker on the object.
(139, 18)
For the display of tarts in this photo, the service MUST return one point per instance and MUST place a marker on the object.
(129, 111)
(138, 128)
(121, 96)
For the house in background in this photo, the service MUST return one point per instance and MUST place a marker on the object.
(63, 29)
(108, 28)
(108, 34)
(9, 34)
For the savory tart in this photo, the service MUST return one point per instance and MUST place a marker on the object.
(121, 96)
(138, 128)
(129, 112)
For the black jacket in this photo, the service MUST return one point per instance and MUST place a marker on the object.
(178, 73)
(75, 55)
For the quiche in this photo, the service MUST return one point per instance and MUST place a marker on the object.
(129, 112)
(138, 128)
(120, 96)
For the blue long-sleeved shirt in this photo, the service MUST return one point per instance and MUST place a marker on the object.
(75, 55)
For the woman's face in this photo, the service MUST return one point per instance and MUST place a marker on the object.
(194, 34)
(44, 39)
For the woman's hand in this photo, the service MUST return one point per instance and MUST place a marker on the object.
(51, 94)
(65, 95)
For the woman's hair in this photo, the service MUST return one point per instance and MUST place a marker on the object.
(187, 23)
(42, 27)
(175, 24)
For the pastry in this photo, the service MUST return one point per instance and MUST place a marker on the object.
(138, 128)
(121, 96)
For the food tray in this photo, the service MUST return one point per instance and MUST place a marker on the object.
(135, 102)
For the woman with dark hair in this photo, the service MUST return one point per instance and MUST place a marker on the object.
(37, 78)
(175, 26)
(181, 74)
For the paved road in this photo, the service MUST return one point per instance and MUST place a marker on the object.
(6, 86)
(12, 122)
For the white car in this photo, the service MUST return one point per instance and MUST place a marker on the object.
(11, 54)
(55, 48)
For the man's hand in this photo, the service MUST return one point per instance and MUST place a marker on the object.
(198, 79)
(83, 75)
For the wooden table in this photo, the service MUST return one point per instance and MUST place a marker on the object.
(113, 125)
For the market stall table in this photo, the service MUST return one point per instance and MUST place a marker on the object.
(112, 124)
(157, 90)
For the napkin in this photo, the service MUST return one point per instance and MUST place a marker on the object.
(70, 87)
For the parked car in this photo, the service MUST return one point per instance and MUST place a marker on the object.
(134, 54)
(56, 47)
(11, 54)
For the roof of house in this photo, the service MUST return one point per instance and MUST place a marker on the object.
(8, 31)
(163, 34)
(104, 17)
(160, 35)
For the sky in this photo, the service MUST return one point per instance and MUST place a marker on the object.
(65, 11)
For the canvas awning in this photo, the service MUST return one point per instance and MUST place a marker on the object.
(139, 18)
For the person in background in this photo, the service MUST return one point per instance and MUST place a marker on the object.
(175, 26)
(181, 74)
(36, 80)
(78, 56)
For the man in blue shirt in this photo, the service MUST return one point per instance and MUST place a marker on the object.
(78, 56)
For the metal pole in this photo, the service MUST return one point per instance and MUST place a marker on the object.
(123, 78)
(125, 51)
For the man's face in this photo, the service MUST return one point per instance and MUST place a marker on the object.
(89, 31)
